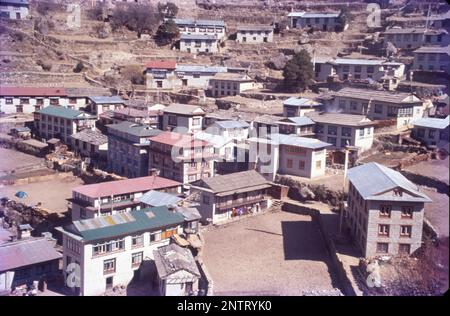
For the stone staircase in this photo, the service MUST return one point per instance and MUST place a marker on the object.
(276, 206)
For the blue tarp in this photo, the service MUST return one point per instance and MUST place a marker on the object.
(21, 194)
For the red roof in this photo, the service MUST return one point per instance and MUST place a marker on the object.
(177, 139)
(32, 92)
(161, 64)
(142, 184)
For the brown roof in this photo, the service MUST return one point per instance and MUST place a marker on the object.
(161, 64)
(339, 119)
(32, 92)
(229, 76)
(177, 139)
(377, 95)
(235, 182)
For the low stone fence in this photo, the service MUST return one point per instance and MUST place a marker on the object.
(430, 182)
(209, 281)
(344, 282)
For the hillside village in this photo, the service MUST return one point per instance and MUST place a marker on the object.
(214, 148)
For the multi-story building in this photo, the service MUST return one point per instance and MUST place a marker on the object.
(181, 157)
(433, 132)
(202, 27)
(230, 129)
(287, 154)
(198, 43)
(169, 75)
(101, 104)
(128, 148)
(111, 197)
(91, 144)
(251, 34)
(60, 122)
(30, 99)
(229, 84)
(352, 68)
(432, 58)
(298, 125)
(293, 106)
(105, 252)
(134, 115)
(227, 196)
(320, 20)
(411, 38)
(341, 130)
(385, 211)
(376, 105)
(187, 118)
(14, 9)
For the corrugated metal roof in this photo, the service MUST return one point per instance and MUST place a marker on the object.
(115, 99)
(26, 252)
(172, 258)
(127, 223)
(293, 140)
(92, 137)
(397, 98)
(339, 119)
(60, 111)
(187, 22)
(433, 49)
(135, 129)
(200, 68)
(32, 92)
(303, 14)
(373, 179)
(216, 141)
(141, 184)
(198, 37)
(233, 182)
(298, 120)
(184, 109)
(156, 198)
(231, 124)
(430, 122)
(294, 101)
(254, 27)
(417, 30)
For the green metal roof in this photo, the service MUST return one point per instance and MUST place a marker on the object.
(61, 111)
(121, 224)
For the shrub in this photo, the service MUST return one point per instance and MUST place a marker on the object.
(79, 67)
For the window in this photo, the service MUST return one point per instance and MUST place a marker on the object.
(385, 211)
(172, 120)
(383, 230)
(346, 68)
(19, 108)
(382, 247)
(206, 199)
(361, 132)
(357, 68)
(9, 101)
(137, 241)
(420, 132)
(196, 121)
(332, 130)
(24, 101)
(331, 140)
(378, 108)
(301, 165)
(155, 236)
(159, 84)
(289, 163)
(353, 105)
(407, 211)
(392, 111)
(318, 164)
(169, 232)
(405, 231)
(370, 69)
(109, 266)
(415, 37)
(346, 131)
(404, 249)
(431, 133)
(109, 246)
(73, 245)
(137, 258)
(319, 128)
(342, 104)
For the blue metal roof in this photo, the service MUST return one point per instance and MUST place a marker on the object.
(303, 14)
(300, 120)
(430, 122)
(156, 198)
(107, 99)
(199, 22)
(198, 37)
(200, 68)
(372, 180)
(293, 140)
(293, 101)
(15, 2)
(231, 124)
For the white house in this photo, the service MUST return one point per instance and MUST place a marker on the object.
(341, 130)
(101, 104)
(317, 20)
(30, 99)
(202, 27)
(230, 84)
(14, 9)
(178, 274)
(432, 58)
(411, 38)
(230, 129)
(433, 132)
(101, 253)
(90, 143)
(188, 117)
(294, 106)
(251, 34)
(198, 43)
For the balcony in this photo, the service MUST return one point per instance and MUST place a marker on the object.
(241, 202)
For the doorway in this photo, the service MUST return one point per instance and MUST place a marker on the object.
(109, 283)
(184, 82)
